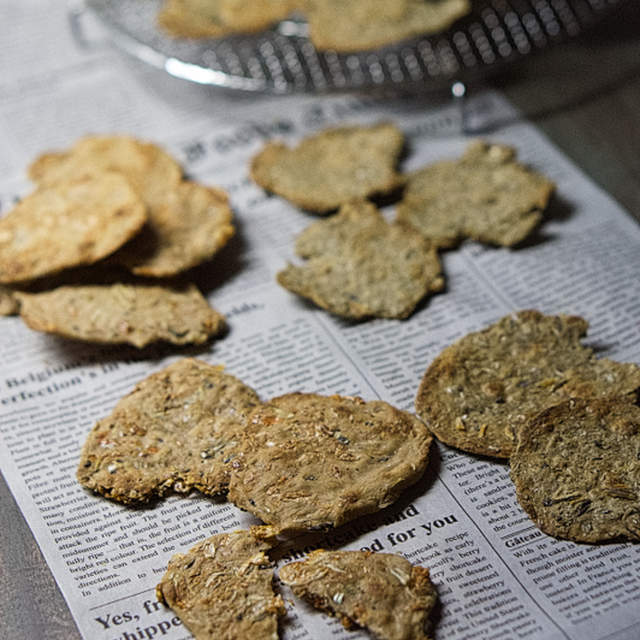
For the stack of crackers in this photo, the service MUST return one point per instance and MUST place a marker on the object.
(98, 251)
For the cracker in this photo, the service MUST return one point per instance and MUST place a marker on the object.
(360, 266)
(355, 25)
(138, 314)
(332, 167)
(380, 592)
(486, 195)
(222, 589)
(76, 222)
(478, 392)
(9, 305)
(313, 462)
(188, 228)
(576, 469)
(176, 431)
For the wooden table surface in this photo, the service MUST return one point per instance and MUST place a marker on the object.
(583, 94)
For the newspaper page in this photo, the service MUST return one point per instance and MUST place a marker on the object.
(497, 574)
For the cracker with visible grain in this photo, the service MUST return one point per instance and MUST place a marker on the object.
(360, 266)
(314, 462)
(137, 314)
(332, 167)
(222, 588)
(478, 392)
(76, 222)
(175, 432)
(349, 26)
(380, 592)
(486, 195)
(576, 469)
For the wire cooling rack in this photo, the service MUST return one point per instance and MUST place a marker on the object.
(282, 60)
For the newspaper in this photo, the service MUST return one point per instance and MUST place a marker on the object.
(497, 575)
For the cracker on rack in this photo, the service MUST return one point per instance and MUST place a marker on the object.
(486, 195)
(333, 166)
(222, 588)
(137, 314)
(314, 462)
(175, 432)
(576, 469)
(75, 222)
(478, 392)
(360, 266)
(380, 592)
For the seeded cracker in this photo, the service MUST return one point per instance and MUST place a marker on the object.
(222, 588)
(478, 392)
(123, 313)
(357, 25)
(486, 195)
(76, 222)
(380, 592)
(360, 266)
(576, 468)
(332, 167)
(175, 432)
(314, 462)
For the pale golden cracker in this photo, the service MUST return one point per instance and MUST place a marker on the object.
(222, 588)
(138, 314)
(360, 266)
(75, 222)
(176, 431)
(332, 167)
(349, 26)
(576, 469)
(486, 195)
(314, 462)
(479, 391)
(380, 592)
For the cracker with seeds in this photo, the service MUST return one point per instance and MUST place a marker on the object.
(137, 314)
(478, 392)
(332, 167)
(176, 431)
(576, 469)
(380, 592)
(217, 18)
(76, 222)
(222, 588)
(486, 195)
(188, 223)
(360, 266)
(313, 462)
(348, 26)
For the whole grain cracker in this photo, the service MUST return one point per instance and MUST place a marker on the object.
(486, 195)
(314, 462)
(222, 589)
(478, 392)
(349, 26)
(78, 221)
(333, 166)
(380, 592)
(576, 469)
(138, 314)
(361, 266)
(176, 431)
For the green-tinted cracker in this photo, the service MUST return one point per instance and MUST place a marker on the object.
(478, 392)
(137, 314)
(486, 195)
(222, 588)
(314, 462)
(175, 432)
(380, 592)
(576, 469)
(360, 266)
